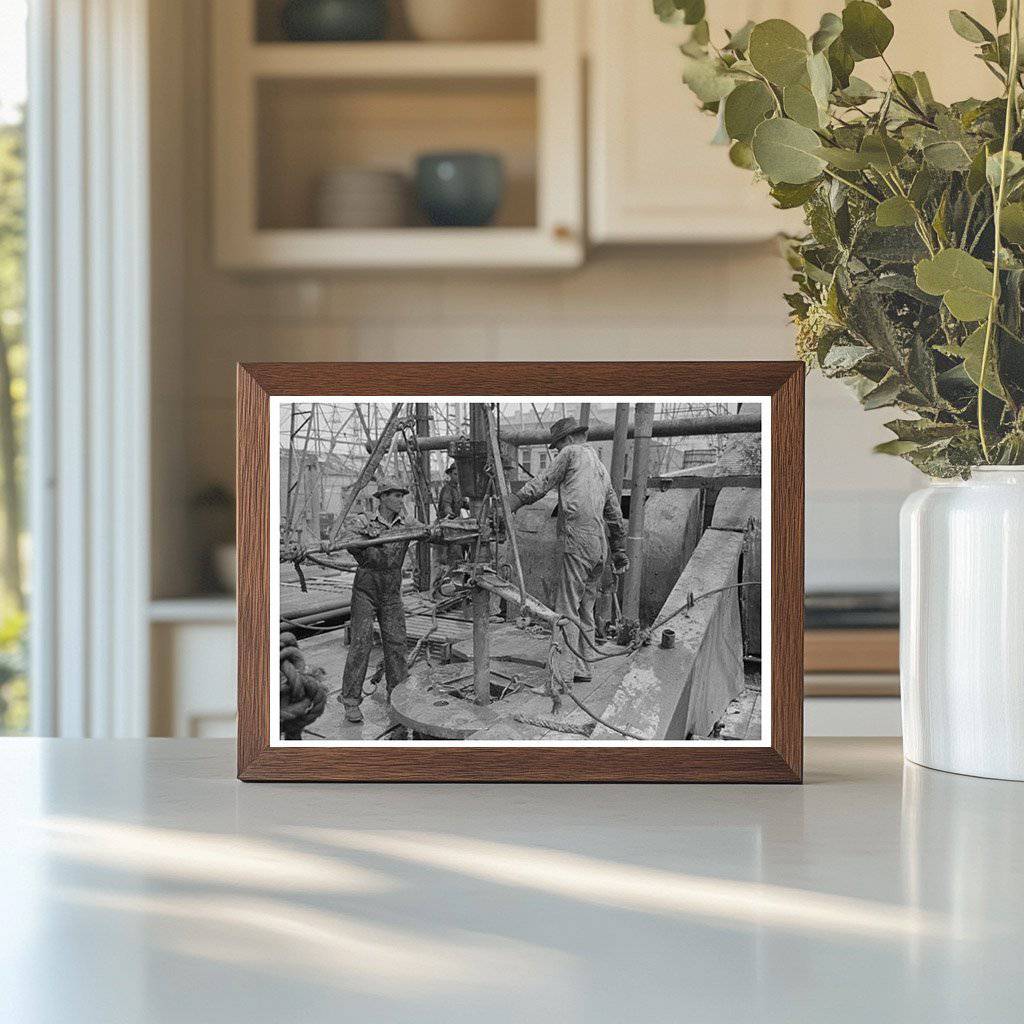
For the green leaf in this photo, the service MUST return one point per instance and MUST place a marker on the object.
(787, 151)
(895, 447)
(999, 9)
(779, 51)
(788, 197)
(801, 106)
(889, 245)
(707, 78)
(969, 28)
(923, 431)
(721, 136)
(921, 371)
(993, 167)
(819, 74)
(963, 281)
(895, 212)
(882, 151)
(924, 88)
(745, 108)
(971, 352)
(665, 10)
(857, 91)
(976, 174)
(689, 12)
(866, 29)
(947, 156)
(739, 41)
(741, 155)
(844, 159)
(922, 185)
(829, 30)
(905, 84)
(841, 63)
(701, 34)
(693, 10)
(1012, 224)
(885, 394)
(939, 220)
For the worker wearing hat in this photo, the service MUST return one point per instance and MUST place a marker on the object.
(377, 594)
(449, 506)
(587, 505)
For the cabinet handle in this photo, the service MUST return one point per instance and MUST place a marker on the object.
(562, 232)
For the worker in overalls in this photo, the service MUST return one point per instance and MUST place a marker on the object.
(377, 594)
(449, 506)
(587, 504)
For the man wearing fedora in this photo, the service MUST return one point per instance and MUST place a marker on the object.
(586, 506)
(377, 593)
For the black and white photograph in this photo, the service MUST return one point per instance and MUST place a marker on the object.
(501, 571)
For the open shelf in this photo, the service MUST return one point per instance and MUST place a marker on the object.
(388, 60)
(286, 114)
(520, 23)
(308, 127)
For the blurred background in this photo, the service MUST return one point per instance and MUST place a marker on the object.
(249, 180)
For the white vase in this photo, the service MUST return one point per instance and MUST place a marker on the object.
(962, 624)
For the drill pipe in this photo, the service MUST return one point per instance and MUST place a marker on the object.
(691, 426)
(489, 580)
(449, 534)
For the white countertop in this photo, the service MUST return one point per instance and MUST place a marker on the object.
(140, 882)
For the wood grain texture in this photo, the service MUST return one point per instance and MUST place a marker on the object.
(781, 762)
(852, 650)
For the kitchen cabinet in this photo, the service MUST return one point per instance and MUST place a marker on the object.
(287, 114)
(653, 175)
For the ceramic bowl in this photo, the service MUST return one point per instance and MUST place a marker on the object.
(360, 197)
(470, 20)
(332, 21)
(460, 189)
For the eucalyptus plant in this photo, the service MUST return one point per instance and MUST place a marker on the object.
(910, 278)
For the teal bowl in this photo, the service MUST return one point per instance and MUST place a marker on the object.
(460, 189)
(334, 21)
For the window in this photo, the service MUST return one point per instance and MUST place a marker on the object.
(14, 706)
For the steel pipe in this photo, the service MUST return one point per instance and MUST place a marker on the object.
(637, 499)
(688, 426)
(619, 436)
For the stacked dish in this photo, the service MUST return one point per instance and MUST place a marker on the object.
(362, 197)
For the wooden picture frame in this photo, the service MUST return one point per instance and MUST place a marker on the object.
(780, 759)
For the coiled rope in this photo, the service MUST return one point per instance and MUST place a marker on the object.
(303, 691)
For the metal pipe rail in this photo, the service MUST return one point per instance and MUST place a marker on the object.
(689, 426)
(446, 532)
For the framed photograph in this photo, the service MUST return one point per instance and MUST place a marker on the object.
(579, 572)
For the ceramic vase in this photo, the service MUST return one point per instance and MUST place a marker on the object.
(962, 624)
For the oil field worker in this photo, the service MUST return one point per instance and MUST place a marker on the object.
(586, 504)
(377, 593)
(449, 506)
(449, 501)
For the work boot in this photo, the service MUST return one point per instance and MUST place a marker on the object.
(353, 714)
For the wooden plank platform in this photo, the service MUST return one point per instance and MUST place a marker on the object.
(510, 643)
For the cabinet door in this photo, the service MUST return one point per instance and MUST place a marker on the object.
(654, 176)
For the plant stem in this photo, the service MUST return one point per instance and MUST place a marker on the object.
(853, 185)
(775, 98)
(1011, 108)
(911, 103)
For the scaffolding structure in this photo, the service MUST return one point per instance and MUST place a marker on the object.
(324, 446)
